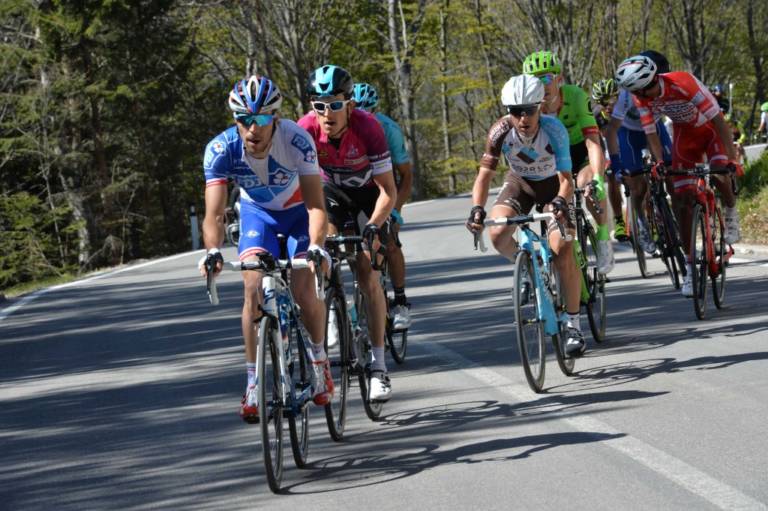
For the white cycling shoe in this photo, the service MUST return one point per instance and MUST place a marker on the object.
(401, 317)
(380, 388)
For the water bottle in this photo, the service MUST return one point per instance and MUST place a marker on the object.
(352, 311)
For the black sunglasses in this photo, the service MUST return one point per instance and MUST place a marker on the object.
(519, 111)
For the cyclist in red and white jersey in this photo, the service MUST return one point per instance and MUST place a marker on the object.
(699, 128)
(354, 157)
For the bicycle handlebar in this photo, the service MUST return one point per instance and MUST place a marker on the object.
(267, 266)
(519, 220)
(592, 199)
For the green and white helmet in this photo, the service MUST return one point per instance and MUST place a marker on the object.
(605, 88)
(764, 107)
(541, 62)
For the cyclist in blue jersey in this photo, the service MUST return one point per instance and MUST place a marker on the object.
(367, 98)
(538, 152)
(274, 163)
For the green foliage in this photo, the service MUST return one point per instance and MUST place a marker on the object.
(755, 176)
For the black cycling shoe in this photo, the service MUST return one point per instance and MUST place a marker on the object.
(575, 345)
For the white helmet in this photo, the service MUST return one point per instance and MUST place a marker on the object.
(636, 72)
(522, 90)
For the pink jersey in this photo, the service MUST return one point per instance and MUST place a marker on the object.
(683, 99)
(361, 154)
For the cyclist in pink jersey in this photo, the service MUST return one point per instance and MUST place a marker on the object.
(357, 169)
(699, 128)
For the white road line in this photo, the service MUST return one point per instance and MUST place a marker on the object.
(40, 292)
(678, 471)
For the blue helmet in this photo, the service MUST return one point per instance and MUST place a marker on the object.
(365, 96)
(329, 80)
(255, 95)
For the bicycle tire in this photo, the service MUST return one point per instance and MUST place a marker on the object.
(565, 362)
(596, 306)
(372, 408)
(397, 340)
(636, 248)
(298, 420)
(699, 263)
(270, 403)
(527, 314)
(668, 238)
(338, 356)
(718, 281)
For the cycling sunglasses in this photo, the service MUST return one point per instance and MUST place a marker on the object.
(334, 106)
(519, 111)
(547, 78)
(249, 120)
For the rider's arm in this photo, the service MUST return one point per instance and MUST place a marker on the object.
(566, 185)
(213, 223)
(726, 135)
(654, 145)
(481, 186)
(312, 194)
(406, 183)
(612, 137)
(386, 200)
(596, 155)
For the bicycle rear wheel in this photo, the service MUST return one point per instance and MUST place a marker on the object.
(636, 247)
(530, 330)
(397, 340)
(363, 351)
(298, 417)
(270, 403)
(565, 362)
(338, 356)
(718, 240)
(668, 237)
(596, 305)
(699, 262)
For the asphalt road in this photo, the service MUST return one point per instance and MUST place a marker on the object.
(121, 392)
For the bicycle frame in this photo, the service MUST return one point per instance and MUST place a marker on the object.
(547, 313)
(705, 196)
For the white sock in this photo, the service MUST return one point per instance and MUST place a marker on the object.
(250, 369)
(379, 364)
(318, 352)
(574, 321)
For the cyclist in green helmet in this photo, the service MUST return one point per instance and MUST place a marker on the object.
(605, 93)
(570, 104)
(763, 129)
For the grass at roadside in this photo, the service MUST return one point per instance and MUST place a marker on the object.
(29, 287)
(753, 212)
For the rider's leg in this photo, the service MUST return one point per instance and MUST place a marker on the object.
(501, 235)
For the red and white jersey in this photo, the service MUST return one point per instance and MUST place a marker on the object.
(684, 99)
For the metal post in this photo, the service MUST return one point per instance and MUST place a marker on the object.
(194, 228)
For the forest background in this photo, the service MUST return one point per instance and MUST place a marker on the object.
(106, 106)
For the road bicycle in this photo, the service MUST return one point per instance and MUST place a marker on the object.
(587, 252)
(284, 373)
(539, 301)
(664, 225)
(709, 252)
(352, 355)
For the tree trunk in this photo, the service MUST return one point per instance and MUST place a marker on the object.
(402, 59)
(758, 59)
(444, 95)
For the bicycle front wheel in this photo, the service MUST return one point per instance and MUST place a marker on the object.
(337, 347)
(397, 340)
(565, 362)
(636, 247)
(298, 418)
(699, 261)
(530, 329)
(596, 305)
(668, 237)
(270, 401)
(718, 240)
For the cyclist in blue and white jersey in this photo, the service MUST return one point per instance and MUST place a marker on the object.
(537, 149)
(274, 162)
(626, 140)
(367, 98)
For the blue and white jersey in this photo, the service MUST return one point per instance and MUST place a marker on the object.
(540, 158)
(395, 139)
(626, 111)
(271, 183)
